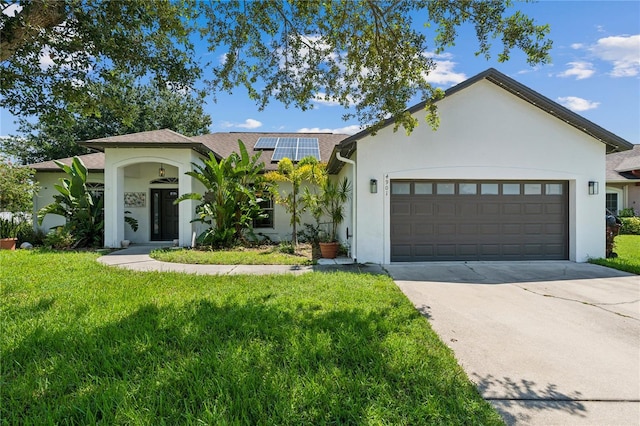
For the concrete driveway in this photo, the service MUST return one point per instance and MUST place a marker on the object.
(547, 343)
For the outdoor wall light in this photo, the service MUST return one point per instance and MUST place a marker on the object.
(161, 170)
(373, 186)
(593, 187)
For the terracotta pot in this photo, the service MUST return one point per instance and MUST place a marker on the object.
(329, 250)
(8, 243)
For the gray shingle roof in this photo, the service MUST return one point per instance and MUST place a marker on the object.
(221, 144)
(93, 162)
(620, 165)
(224, 144)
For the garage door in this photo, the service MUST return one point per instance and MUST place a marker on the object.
(479, 220)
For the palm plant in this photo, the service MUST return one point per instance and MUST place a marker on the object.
(307, 170)
(230, 202)
(83, 213)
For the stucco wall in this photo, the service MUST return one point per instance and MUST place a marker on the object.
(484, 133)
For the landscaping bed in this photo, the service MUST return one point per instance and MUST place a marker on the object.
(254, 255)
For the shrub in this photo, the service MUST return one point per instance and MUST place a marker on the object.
(628, 212)
(59, 238)
(630, 225)
(286, 247)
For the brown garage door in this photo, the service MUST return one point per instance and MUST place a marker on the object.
(479, 220)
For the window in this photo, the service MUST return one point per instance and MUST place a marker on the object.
(489, 188)
(468, 189)
(511, 189)
(612, 202)
(400, 188)
(446, 188)
(266, 221)
(553, 189)
(532, 189)
(423, 188)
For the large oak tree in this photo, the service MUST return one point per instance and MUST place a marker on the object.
(371, 56)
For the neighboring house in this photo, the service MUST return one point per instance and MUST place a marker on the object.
(506, 176)
(623, 180)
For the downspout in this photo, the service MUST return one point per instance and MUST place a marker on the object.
(353, 205)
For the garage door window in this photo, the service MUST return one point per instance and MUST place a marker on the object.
(511, 189)
(401, 188)
(468, 189)
(553, 189)
(446, 188)
(532, 189)
(489, 188)
(420, 188)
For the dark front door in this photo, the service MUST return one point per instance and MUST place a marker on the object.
(164, 214)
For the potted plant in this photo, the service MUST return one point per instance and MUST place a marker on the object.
(8, 233)
(333, 195)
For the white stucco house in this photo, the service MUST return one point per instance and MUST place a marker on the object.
(508, 175)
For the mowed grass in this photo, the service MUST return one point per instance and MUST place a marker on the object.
(628, 249)
(239, 256)
(83, 343)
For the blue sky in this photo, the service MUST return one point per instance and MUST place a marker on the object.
(595, 71)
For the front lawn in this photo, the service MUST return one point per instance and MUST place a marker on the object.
(266, 255)
(627, 248)
(83, 343)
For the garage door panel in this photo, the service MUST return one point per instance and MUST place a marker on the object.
(509, 221)
(401, 208)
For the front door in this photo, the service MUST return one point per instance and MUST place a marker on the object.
(164, 215)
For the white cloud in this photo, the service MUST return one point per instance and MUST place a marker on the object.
(622, 51)
(577, 46)
(249, 123)
(577, 104)
(443, 72)
(349, 130)
(579, 69)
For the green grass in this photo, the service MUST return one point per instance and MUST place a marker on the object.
(628, 249)
(83, 343)
(262, 256)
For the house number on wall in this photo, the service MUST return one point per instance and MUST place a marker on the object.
(386, 185)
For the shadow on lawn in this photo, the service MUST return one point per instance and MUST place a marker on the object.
(248, 363)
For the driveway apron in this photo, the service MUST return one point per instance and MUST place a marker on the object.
(547, 343)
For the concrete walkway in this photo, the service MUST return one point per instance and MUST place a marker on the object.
(137, 258)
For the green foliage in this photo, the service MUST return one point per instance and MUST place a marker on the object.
(59, 238)
(86, 42)
(333, 195)
(83, 343)
(628, 212)
(12, 227)
(131, 109)
(231, 201)
(17, 187)
(286, 247)
(308, 170)
(369, 55)
(630, 225)
(282, 254)
(84, 214)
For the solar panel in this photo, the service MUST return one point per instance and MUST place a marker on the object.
(266, 143)
(287, 143)
(305, 152)
(308, 142)
(282, 152)
(294, 148)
